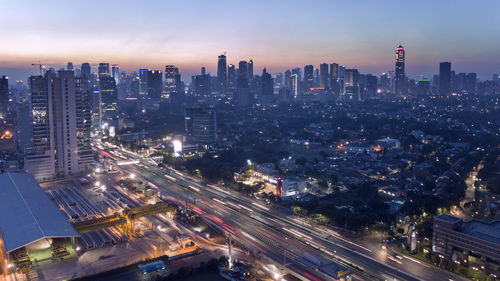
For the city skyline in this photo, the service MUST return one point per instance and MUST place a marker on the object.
(281, 37)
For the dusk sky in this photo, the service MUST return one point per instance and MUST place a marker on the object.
(278, 35)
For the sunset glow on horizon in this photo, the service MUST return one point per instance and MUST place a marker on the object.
(278, 35)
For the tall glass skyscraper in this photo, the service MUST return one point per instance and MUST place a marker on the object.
(400, 71)
(444, 78)
(222, 74)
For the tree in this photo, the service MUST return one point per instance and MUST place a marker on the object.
(299, 211)
(321, 219)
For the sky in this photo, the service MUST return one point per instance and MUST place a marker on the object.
(277, 34)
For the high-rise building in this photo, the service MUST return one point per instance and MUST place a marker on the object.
(108, 100)
(423, 87)
(115, 73)
(370, 86)
(201, 84)
(231, 77)
(173, 83)
(4, 96)
(400, 79)
(60, 142)
(294, 84)
(40, 157)
(323, 73)
(222, 74)
(298, 85)
(308, 76)
(155, 84)
(470, 83)
(200, 125)
(243, 95)
(334, 78)
(143, 84)
(267, 89)
(85, 70)
(278, 80)
(287, 83)
(83, 108)
(63, 91)
(316, 78)
(70, 66)
(459, 82)
(351, 85)
(445, 78)
(250, 68)
(103, 69)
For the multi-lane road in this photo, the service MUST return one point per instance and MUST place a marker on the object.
(276, 235)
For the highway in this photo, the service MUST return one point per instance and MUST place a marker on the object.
(275, 234)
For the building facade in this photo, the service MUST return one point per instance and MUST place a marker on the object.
(200, 126)
(61, 124)
(472, 242)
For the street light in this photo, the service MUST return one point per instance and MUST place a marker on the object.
(103, 187)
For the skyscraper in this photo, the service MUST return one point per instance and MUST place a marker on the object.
(39, 158)
(172, 79)
(155, 84)
(294, 84)
(445, 78)
(250, 68)
(85, 70)
(308, 76)
(231, 78)
(370, 87)
(201, 84)
(70, 66)
(323, 76)
(334, 78)
(400, 71)
(316, 78)
(83, 94)
(470, 83)
(63, 92)
(278, 79)
(267, 89)
(243, 90)
(108, 100)
(351, 85)
(103, 69)
(115, 73)
(222, 74)
(4, 96)
(60, 142)
(288, 79)
(143, 84)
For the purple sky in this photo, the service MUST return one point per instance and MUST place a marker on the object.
(276, 34)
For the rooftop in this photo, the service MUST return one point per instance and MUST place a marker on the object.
(28, 214)
(448, 218)
(483, 230)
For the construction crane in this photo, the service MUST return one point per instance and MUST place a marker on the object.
(41, 66)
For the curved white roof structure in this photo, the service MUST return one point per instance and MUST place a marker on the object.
(27, 214)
